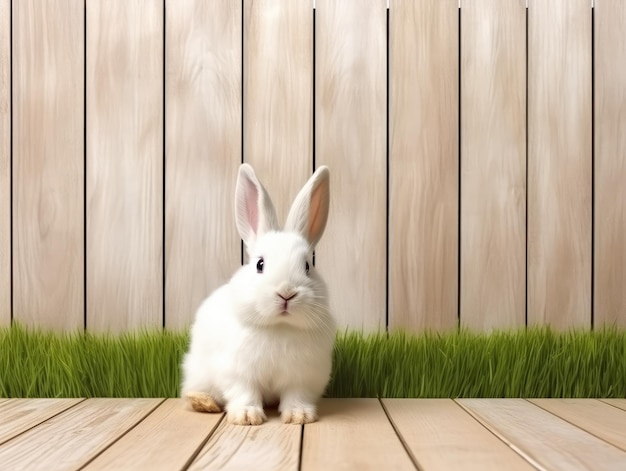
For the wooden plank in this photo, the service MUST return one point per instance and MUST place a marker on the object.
(619, 403)
(19, 415)
(350, 135)
(423, 164)
(610, 163)
(5, 162)
(71, 439)
(441, 435)
(596, 417)
(203, 151)
(493, 164)
(352, 434)
(559, 163)
(278, 95)
(271, 446)
(546, 441)
(165, 440)
(48, 163)
(124, 164)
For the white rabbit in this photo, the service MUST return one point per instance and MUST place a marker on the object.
(267, 335)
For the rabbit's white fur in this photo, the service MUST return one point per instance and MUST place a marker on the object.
(249, 345)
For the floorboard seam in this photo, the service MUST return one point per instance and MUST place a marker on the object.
(202, 444)
(405, 445)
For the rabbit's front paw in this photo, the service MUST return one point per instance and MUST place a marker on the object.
(248, 415)
(299, 415)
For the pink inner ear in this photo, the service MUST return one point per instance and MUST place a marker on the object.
(252, 208)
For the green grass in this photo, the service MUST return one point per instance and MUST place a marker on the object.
(533, 363)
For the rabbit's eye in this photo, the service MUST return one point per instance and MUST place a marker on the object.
(259, 265)
(306, 267)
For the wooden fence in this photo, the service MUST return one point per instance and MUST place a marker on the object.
(478, 156)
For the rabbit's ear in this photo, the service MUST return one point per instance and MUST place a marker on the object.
(254, 211)
(309, 211)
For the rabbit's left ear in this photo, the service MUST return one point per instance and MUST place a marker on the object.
(309, 211)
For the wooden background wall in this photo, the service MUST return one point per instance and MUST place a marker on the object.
(478, 156)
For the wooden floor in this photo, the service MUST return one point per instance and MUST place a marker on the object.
(355, 434)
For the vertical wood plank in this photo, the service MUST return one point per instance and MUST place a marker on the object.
(165, 440)
(271, 446)
(548, 442)
(610, 163)
(559, 163)
(124, 164)
(423, 164)
(203, 151)
(278, 95)
(352, 434)
(438, 432)
(493, 164)
(350, 135)
(5, 162)
(48, 163)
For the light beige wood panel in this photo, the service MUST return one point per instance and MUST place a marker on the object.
(438, 433)
(20, 415)
(352, 434)
(5, 162)
(610, 163)
(545, 440)
(596, 417)
(71, 439)
(278, 95)
(423, 164)
(559, 163)
(350, 135)
(124, 164)
(619, 403)
(493, 164)
(48, 163)
(166, 440)
(271, 446)
(203, 151)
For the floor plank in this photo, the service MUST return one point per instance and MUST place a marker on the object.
(442, 435)
(72, 438)
(546, 440)
(352, 434)
(271, 446)
(619, 403)
(596, 417)
(165, 440)
(19, 415)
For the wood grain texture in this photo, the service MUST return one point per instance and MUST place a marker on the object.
(619, 403)
(350, 123)
(203, 151)
(559, 163)
(5, 162)
(437, 433)
(124, 164)
(271, 446)
(278, 95)
(352, 434)
(596, 417)
(166, 439)
(20, 415)
(423, 164)
(610, 163)
(71, 439)
(546, 441)
(493, 164)
(48, 163)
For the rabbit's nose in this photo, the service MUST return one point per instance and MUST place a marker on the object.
(288, 295)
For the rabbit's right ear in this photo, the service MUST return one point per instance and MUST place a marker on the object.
(254, 211)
